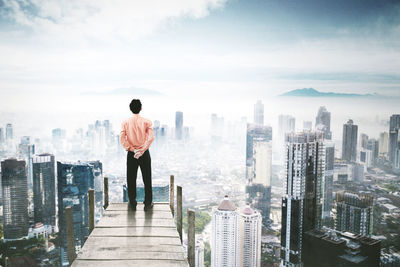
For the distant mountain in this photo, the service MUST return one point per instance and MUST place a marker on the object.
(126, 91)
(311, 92)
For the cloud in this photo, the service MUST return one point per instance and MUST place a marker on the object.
(126, 91)
(101, 19)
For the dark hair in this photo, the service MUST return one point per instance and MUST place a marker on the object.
(135, 106)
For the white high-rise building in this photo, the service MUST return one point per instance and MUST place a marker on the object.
(225, 238)
(250, 237)
(262, 157)
(259, 113)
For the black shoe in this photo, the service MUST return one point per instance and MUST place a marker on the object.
(148, 207)
(132, 206)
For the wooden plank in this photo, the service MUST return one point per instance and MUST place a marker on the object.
(105, 192)
(130, 263)
(131, 255)
(171, 194)
(91, 209)
(155, 214)
(70, 234)
(135, 231)
(191, 237)
(125, 241)
(140, 206)
(138, 222)
(141, 248)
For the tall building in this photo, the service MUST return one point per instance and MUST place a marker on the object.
(179, 125)
(307, 125)
(358, 171)
(261, 133)
(44, 189)
(302, 200)
(364, 140)
(354, 213)
(323, 122)
(383, 143)
(9, 132)
(287, 124)
(15, 199)
(258, 168)
(349, 141)
(259, 113)
(217, 127)
(250, 237)
(258, 189)
(73, 181)
(1, 136)
(330, 248)
(26, 151)
(225, 242)
(98, 187)
(373, 146)
(394, 138)
(328, 182)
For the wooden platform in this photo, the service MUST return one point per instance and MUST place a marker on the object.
(126, 238)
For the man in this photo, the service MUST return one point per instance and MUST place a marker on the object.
(136, 137)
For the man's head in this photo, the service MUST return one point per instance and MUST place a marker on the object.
(135, 106)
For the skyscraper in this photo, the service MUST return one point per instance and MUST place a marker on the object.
(394, 137)
(287, 124)
(349, 141)
(74, 181)
(307, 125)
(354, 213)
(323, 122)
(258, 168)
(225, 242)
(258, 188)
(363, 140)
(302, 200)
(383, 143)
(9, 132)
(1, 136)
(26, 151)
(98, 187)
(15, 199)
(259, 113)
(179, 125)
(373, 146)
(250, 237)
(261, 133)
(328, 181)
(44, 189)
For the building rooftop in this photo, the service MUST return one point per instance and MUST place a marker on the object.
(226, 205)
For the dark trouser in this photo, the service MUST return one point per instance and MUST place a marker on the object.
(132, 164)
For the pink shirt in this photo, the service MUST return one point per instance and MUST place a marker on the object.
(136, 133)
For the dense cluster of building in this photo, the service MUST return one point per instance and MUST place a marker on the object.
(320, 226)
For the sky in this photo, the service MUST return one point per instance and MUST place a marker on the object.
(54, 53)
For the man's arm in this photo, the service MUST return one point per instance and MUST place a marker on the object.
(149, 135)
(122, 138)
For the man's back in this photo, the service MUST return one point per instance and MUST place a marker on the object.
(136, 133)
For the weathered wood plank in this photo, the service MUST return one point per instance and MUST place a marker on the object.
(131, 255)
(124, 241)
(135, 231)
(141, 248)
(127, 238)
(155, 214)
(140, 206)
(130, 263)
